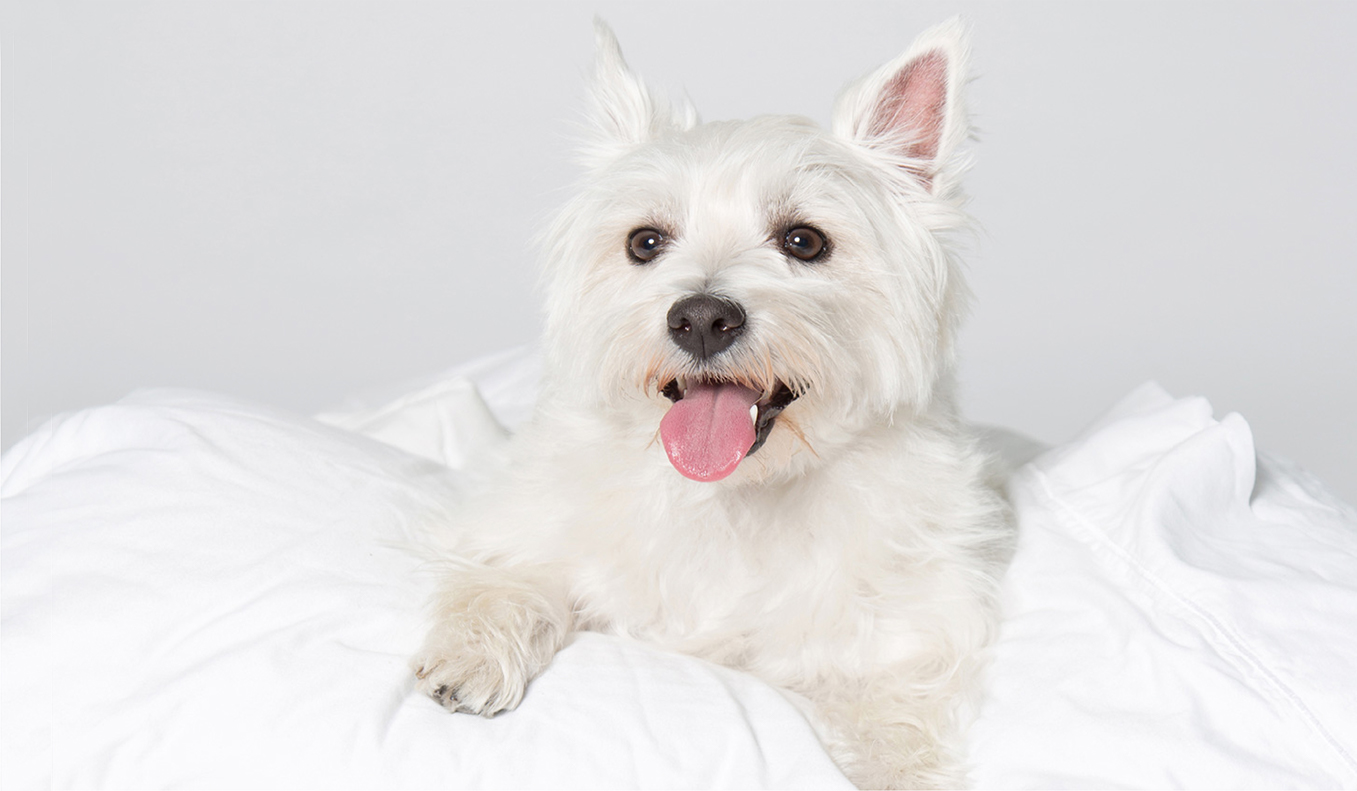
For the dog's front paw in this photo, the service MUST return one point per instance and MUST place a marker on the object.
(461, 678)
(485, 648)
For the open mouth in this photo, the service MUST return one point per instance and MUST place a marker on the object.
(714, 424)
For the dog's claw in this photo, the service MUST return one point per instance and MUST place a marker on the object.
(446, 694)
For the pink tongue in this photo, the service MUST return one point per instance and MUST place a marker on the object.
(709, 430)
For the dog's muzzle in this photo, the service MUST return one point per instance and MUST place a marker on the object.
(715, 422)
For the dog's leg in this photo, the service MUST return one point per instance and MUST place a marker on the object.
(897, 728)
(493, 631)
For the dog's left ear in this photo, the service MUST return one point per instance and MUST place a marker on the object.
(624, 112)
(912, 109)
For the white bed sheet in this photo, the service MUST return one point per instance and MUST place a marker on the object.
(203, 593)
(199, 593)
(1180, 613)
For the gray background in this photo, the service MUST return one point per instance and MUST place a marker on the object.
(292, 202)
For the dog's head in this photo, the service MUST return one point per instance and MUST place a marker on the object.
(762, 289)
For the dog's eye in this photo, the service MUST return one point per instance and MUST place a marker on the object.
(645, 244)
(804, 243)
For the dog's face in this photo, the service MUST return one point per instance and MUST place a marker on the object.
(761, 293)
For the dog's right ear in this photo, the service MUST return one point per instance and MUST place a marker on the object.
(623, 111)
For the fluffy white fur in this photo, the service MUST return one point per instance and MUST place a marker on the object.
(853, 559)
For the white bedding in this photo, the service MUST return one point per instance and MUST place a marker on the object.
(203, 593)
(1180, 614)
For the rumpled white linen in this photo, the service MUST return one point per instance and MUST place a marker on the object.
(200, 593)
(203, 593)
(1179, 614)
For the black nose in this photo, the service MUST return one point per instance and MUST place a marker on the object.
(705, 326)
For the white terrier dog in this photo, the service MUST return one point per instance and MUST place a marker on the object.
(745, 447)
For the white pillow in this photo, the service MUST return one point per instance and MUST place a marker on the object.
(461, 414)
(1177, 615)
(203, 593)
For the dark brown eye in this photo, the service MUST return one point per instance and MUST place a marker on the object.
(804, 243)
(645, 244)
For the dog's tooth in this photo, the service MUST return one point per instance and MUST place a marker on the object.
(754, 413)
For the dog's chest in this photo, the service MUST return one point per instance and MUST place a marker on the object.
(752, 583)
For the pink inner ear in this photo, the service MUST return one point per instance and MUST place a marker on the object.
(914, 105)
